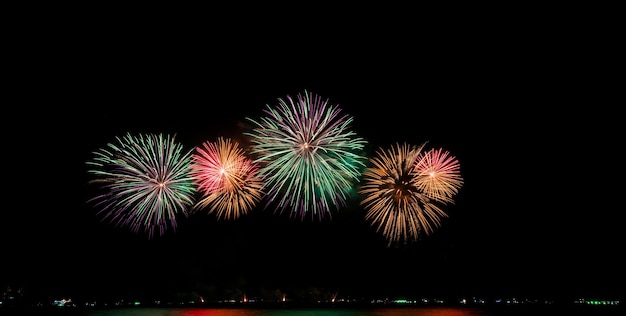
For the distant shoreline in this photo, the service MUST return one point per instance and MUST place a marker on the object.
(528, 305)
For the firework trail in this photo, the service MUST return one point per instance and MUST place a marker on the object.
(227, 179)
(144, 181)
(439, 175)
(394, 203)
(309, 156)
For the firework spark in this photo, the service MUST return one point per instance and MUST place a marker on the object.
(309, 156)
(394, 203)
(144, 182)
(439, 175)
(228, 180)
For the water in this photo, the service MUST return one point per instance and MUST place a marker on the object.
(291, 312)
(382, 311)
(422, 311)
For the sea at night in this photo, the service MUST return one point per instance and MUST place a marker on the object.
(579, 310)
(394, 311)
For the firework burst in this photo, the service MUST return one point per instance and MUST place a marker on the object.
(309, 156)
(394, 203)
(144, 182)
(439, 175)
(227, 179)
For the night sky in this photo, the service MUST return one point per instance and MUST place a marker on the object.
(528, 117)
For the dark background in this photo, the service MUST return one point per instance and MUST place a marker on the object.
(527, 110)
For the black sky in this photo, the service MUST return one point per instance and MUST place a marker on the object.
(527, 113)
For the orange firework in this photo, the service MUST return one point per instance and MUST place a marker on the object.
(394, 198)
(226, 178)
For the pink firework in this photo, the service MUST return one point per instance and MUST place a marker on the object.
(226, 178)
(439, 175)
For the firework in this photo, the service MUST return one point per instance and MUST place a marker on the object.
(227, 179)
(394, 203)
(439, 175)
(145, 182)
(309, 156)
